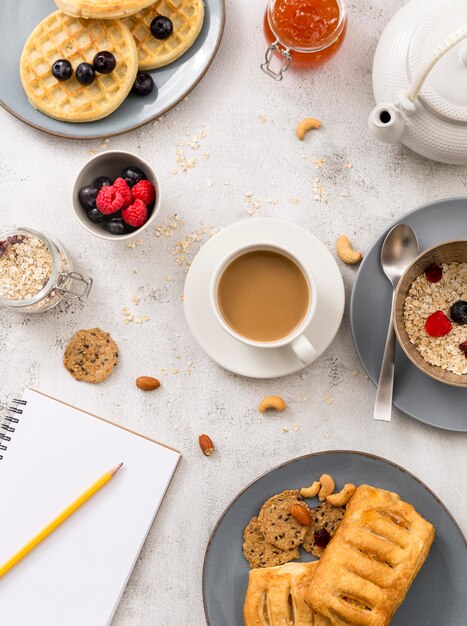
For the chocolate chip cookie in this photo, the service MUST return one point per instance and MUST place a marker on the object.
(259, 552)
(91, 355)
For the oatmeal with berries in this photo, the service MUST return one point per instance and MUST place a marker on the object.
(435, 316)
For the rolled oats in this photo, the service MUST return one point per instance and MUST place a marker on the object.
(25, 267)
(425, 298)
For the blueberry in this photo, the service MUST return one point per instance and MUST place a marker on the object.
(116, 226)
(62, 69)
(87, 196)
(104, 62)
(161, 27)
(459, 312)
(143, 84)
(85, 73)
(133, 175)
(103, 181)
(95, 215)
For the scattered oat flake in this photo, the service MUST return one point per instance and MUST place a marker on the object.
(319, 163)
(146, 318)
(138, 320)
(345, 194)
(320, 193)
(355, 372)
(164, 372)
(294, 200)
(132, 244)
(187, 372)
(296, 427)
(329, 400)
(262, 118)
(349, 165)
(175, 370)
(285, 429)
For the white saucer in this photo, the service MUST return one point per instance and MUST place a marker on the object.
(234, 355)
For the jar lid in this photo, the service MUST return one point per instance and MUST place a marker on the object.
(444, 90)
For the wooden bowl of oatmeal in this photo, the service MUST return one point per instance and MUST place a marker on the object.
(430, 331)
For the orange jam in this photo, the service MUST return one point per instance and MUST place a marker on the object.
(312, 28)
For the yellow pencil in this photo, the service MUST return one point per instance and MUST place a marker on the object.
(45, 532)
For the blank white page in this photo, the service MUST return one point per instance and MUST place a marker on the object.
(77, 575)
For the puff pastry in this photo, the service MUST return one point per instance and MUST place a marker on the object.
(369, 565)
(276, 596)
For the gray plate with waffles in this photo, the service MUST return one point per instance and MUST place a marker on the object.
(437, 596)
(18, 18)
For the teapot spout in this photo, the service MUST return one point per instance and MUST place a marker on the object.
(386, 123)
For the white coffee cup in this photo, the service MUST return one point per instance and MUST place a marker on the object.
(297, 340)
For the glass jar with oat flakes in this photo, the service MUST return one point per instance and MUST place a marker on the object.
(36, 272)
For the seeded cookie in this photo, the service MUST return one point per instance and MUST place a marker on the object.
(277, 523)
(259, 552)
(325, 521)
(91, 355)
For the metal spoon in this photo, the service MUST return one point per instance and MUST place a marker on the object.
(399, 249)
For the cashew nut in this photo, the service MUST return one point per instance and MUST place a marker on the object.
(341, 498)
(327, 486)
(272, 402)
(346, 252)
(307, 123)
(311, 491)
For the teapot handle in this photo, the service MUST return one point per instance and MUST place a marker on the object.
(408, 98)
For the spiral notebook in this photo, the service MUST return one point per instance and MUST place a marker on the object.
(50, 452)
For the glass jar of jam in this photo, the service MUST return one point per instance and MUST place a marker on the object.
(304, 33)
(36, 273)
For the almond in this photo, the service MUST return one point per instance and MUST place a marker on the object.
(301, 514)
(206, 445)
(147, 383)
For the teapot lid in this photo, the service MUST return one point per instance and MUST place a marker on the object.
(445, 89)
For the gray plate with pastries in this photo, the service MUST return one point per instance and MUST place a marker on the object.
(18, 18)
(415, 393)
(437, 596)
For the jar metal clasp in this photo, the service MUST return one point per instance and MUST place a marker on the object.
(66, 286)
(269, 56)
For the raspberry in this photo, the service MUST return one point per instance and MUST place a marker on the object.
(144, 191)
(434, 273)
(437, 325)
(136, 214)
(109, 200)
(123, 189)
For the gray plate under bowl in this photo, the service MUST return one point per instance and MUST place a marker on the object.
(18, 18)
(438, 595)
(415, 393)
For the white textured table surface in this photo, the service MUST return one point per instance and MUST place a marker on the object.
(249, 140)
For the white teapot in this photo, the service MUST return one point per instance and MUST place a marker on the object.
(420, 80)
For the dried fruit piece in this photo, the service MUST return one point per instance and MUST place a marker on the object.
(206, 445)
(147, 383)
(322, 538)
(434, 273)
(437, 325)
(301, 514)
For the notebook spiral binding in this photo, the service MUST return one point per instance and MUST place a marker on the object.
(6, 425)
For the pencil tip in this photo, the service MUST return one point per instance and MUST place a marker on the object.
(115, 469)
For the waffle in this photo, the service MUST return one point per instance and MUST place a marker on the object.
(60, 36)
(101, 9)
(187, 17)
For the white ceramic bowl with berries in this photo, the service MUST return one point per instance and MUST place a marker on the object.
(116, 195)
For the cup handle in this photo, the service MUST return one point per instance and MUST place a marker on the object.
(304, 349)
